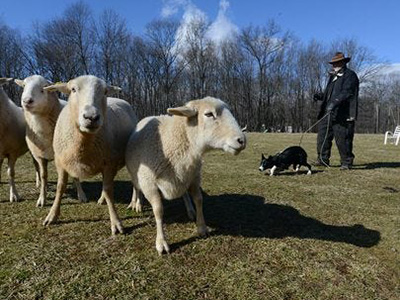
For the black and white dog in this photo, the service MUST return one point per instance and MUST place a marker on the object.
(295, 156)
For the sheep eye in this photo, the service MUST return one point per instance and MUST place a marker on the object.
(209, 115)
(42, 91)
(73, 90)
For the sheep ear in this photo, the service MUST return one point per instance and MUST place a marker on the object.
(183, 111)
(112, 90)
(5, 80)
(60, 87)
(20, 82)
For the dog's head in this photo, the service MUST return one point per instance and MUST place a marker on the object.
(266, 163)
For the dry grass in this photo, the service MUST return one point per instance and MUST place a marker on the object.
(332, 235)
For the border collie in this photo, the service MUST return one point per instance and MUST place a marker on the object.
(295, 156)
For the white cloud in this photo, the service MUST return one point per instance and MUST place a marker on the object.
(171, 7)
(191, 15)
(219, 30)
(392, 69)
(222, 28)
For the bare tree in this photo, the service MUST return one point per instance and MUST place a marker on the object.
(12, 58)
(199, 54)
(113, 41)
(63, 48)
(263, 44)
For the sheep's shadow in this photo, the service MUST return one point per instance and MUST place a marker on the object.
(249, 216)
(92, 189)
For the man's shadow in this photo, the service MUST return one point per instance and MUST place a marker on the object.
(377, 165)
(249, 216)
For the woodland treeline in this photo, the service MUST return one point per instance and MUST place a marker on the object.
(267, 75)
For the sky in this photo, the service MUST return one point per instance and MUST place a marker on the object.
(374, 24)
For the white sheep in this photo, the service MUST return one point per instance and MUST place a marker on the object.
(12, 135)
(90, 138)
(164, 154)
(41, 110)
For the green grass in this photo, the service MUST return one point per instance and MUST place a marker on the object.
(332, 235)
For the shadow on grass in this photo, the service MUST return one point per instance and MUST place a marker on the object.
(249, 216)
(92, 189)
(378, 165)
(294, 173)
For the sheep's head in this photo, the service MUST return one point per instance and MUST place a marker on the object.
(87, 100)
(216, 126)
(34, 97)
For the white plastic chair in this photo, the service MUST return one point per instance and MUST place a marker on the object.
(394, 137)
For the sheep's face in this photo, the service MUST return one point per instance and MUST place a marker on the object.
(216, 126)
(34, 98)
(87, 101)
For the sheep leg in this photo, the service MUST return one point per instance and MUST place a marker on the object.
(136, 202)
(55, 208)
(101, 199)
(11, 177)
(37, 171)
(189, 207)
(79, 190)
(43, 182)
(156, 203)
(108, 192)
(195, 192)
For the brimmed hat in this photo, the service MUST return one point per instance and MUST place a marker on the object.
(339, 56)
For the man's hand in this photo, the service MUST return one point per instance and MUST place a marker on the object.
(318, 96)
(330, 107)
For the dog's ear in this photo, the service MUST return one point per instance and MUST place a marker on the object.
(262, 156)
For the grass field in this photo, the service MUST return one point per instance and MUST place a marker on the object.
(332, 235)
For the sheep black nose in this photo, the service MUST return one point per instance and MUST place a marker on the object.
(240, 141)
(91, 117)
(28, 101)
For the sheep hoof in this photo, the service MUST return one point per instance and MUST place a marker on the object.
(202, 231)
(82, 198)
(50, 219)
(161, 246)
(136, 206)
(14, 197)
(40, 202)
(117, 228)
(101, 200)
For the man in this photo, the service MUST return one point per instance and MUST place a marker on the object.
(340, 101)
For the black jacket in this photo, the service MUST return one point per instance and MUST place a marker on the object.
(342, 95)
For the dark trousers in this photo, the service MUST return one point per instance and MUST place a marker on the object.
(343, 132)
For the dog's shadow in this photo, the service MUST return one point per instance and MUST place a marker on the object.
(249, 216)
(294, 173)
